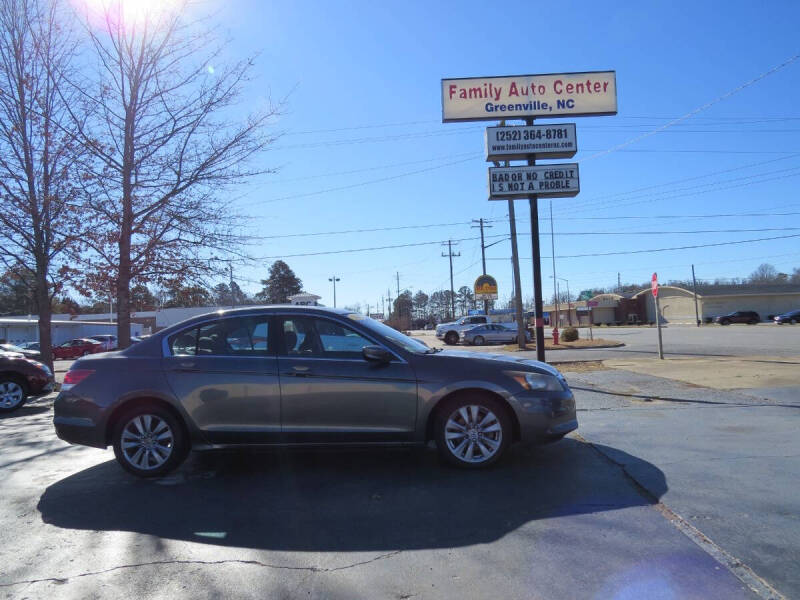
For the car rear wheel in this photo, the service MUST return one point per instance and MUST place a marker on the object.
(724, 322)
(149, 441)
(473, 431)
(478, 340)
(753, 322)
(451, 338)
(13, 394)
(793, 321)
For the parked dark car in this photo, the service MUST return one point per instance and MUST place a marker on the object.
(740, 316)
(26, 352)
(287, 375)
(76, 348)
(22, 377)
(790, 317)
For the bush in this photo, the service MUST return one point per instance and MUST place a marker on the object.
(570, 334)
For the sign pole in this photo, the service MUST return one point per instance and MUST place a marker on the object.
(591, 335)
(654, 287)
(533, 200)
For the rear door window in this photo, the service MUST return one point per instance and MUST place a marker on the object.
(235, 336)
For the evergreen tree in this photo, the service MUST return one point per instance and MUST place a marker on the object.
(280, 284)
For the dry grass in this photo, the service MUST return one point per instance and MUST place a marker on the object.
(549, 345)
(580, 366)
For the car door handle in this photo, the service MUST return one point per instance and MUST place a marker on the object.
(299, 372)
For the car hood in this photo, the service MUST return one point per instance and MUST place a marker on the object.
(501, 361)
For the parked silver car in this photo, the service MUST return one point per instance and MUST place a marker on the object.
(291, 375)
(492, 333)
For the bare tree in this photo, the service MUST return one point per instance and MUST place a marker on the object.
(38, 220)
(764, 273)
(164, 146)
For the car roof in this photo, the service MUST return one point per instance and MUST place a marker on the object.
(260, 310)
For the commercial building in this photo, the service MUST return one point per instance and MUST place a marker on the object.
(26, 329)
(678, 304)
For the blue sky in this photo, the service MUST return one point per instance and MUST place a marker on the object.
(362, 80)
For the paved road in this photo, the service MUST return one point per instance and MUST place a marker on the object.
(562, 521)
(731, 460)
(683, 340)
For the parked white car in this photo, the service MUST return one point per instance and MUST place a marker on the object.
(107, 341)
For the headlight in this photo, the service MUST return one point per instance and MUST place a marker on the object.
(536, 381)
(42, 366)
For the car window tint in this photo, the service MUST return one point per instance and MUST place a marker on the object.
(300, 337)
(339, 341)
(246, 336)
(184, 343)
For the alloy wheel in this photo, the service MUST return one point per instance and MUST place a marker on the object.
(11, 395)
(147, 442)
(473, 433)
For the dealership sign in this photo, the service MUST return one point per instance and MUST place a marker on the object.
(536, 141)
(529, 96)
(552, 181)
(485, 288)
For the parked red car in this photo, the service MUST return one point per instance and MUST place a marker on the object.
(77, 348)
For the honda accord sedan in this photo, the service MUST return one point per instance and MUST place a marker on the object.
(293, 376)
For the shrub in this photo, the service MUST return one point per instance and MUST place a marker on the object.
(570, 334)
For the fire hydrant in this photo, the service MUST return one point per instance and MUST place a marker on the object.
(555, 335)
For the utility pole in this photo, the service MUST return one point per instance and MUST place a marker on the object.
(696, 312)
(450, 255)
(619, 283)
(555, 280)
(521, 337)
(334, 279)
(533, 201)
(482, 223)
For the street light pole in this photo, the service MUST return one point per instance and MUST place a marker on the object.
(334, 279)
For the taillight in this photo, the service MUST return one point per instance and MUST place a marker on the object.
(74, 377)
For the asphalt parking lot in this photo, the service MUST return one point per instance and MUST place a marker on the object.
(668, 490)
(679, 340)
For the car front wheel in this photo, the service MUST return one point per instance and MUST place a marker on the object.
(478, 340)
(473, 431)
(149, 441)
(12, 394)
(451, 338)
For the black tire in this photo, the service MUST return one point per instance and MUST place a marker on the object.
(451, 338)
(177, 442)
(11, 388)
(486, 403)
(478, 340)
(753, 322)
(85, 353)
(724, 322)
(793, 322)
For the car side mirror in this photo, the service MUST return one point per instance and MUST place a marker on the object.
(376, 354)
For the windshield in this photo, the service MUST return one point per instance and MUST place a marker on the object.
(402, 340)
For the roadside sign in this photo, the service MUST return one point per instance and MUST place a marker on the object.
(485, 288)
(537, 141)
(592, 303)
(377, 316)
(552, 181)
(654, 285)
(521, 96)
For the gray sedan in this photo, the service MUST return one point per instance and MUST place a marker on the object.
(293, 376)
(492, 333)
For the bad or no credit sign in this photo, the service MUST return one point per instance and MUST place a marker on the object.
(552, 181)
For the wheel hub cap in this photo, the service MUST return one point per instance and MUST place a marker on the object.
(473, 433)
(147, 442)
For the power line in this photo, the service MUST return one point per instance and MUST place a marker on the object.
(699, 109)
(653, 250)
(362, 183)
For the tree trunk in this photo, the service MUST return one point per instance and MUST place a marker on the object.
(45, 310)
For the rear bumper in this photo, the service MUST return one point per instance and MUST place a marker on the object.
(79, 422)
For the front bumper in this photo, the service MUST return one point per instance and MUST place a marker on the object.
(544, 416)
